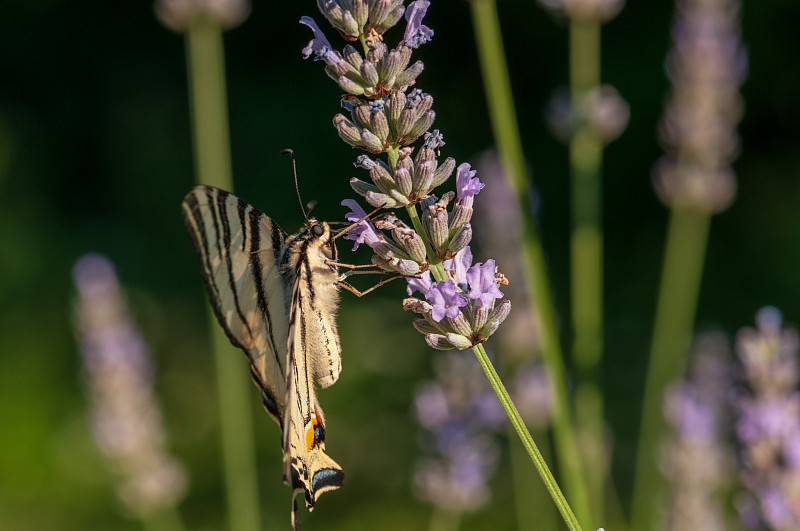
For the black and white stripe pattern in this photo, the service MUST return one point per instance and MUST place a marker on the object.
(276, 298)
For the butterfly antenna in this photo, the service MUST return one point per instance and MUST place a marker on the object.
(296, 185)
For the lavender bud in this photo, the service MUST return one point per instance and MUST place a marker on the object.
(369, 73)
(439, 342)
(379, 200)
(423, 176)
(347, 130)
(379, 125)
(349, 25)
(371, 142)
(460, 240)
(499, 314)
(405, 267)
(360, 12)
(458, 341)
(392, 65)
(362, 188)
(412, 243)
(443, 172)
(407, 76)
(403, 181)
(350, 86)
(422, 124)
(460, 325)
(382, 178)
(399, 197)
(438, 231)
(460, 217)
(405, 122)
(479, 317)
(385, 14)
(396, 103)
(360, 112)
(424, 327)
(352, 57)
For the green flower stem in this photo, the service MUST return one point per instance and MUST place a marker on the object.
(675, 313)
(506, 132)
(585, 156)
(436, 268)
(205, 62)
(527, 440)
(167, 520)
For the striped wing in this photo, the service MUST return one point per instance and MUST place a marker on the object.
(305, 462)
(238, 247)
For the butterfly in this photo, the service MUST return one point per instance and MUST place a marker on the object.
(276, 297)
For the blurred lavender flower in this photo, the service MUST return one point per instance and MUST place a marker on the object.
(696, 460)
(460, 414)
(126, 418)
(768, 423)
(706, 66)
(601, 108)
(585, 10)
(178, 15)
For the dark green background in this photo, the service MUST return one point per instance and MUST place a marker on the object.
(95, 155)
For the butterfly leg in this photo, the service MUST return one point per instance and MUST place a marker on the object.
(353, 266)
(358, 293)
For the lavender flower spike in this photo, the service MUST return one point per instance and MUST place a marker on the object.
(319, 44)
(446, 302)
(417, 33)
(483, 288)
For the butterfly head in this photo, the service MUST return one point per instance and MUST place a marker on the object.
(319, 234)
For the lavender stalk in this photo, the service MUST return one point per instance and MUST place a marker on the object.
(706, 66)
(125, 417)
(504, 125)
(202, 24)
(460, 309)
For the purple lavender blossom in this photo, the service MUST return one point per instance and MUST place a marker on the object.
(467, 185)
(126, 418)
(459, 264)
(421, 283)
(319, 45)
(364, 232)
(446, 302)
(482, 286)
(416, 33)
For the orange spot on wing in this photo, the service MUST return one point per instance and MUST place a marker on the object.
(310, 432)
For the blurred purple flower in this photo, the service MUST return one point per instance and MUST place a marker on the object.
(768, 423)
(126, 418)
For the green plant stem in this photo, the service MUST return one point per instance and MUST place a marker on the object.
(533, 509)
(527, 440)
(212, 166)
(167, 520)
(586, 264)
(435, 263)
(675, 313)
(506, 133)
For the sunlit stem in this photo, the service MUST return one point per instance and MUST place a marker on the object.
(205, 61)
(506, 133)
(527, 440)
(436, 268)
(586, 261)
(675, 312)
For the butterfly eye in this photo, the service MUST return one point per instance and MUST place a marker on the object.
(318, 230)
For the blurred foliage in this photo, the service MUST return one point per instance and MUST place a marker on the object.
(95, 155)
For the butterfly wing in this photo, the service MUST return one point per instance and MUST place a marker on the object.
(314, 356)
(238, 247)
